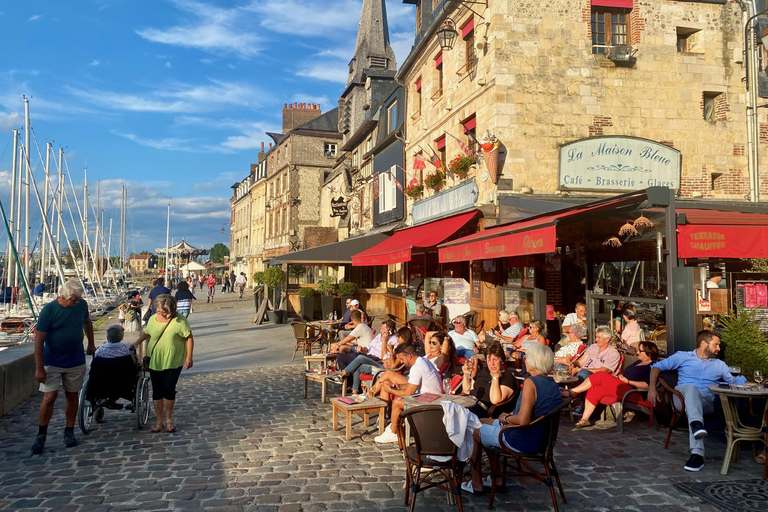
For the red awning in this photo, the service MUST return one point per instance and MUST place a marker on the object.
(440, 143)
(526, 236)
(468, 27)
(624, 4)
(397, 248)
(418, 84)
(438, 59)
(721, 241)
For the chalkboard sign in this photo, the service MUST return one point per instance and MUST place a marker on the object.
(753, 295)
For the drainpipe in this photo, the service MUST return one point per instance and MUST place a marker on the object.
(750, 63)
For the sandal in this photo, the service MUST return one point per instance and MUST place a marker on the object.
(171, 428)
(157, 428)
(467, 487)
(760, 459)
(583, 423)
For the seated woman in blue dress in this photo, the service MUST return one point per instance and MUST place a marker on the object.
(540, 395)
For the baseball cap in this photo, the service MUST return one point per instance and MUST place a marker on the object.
(354, 302)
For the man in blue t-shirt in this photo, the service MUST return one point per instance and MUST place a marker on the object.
(60, 359)
(159, 289)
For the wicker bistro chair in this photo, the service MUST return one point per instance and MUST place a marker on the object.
(430, 440)
(523, 460)
(306, 339)
(668, 380)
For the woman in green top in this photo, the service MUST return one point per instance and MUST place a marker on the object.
(170, 349)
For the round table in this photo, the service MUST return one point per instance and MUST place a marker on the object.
(735, 430)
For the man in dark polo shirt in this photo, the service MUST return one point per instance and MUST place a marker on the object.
(60, 359)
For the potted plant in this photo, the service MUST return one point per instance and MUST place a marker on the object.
(297, 272)
(274, 277)
(434, 180)
(307, 300)
(327, 288)
(460, 165)
(414, 191)
(743, 343)
(258, 282)
(346, 291)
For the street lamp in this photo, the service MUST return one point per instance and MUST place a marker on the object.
(447, 34)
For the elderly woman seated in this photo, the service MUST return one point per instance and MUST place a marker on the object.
(114, 349)
(570, 348)
(540, 395)
(492, 384)
(607, 388)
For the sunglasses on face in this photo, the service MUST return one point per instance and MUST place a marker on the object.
(434, 343)
(458, 323)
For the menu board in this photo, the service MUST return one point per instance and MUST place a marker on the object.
(477, 279)
(456, 291)
(754, 295)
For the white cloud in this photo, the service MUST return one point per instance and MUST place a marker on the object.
(95, 62)
(251, 135)
(35, 17)
(336, 72)
(168, 144)
(177, 97)
(208, 28)
(401, 43)
(9, 121)
(168, 64)
(307, 17)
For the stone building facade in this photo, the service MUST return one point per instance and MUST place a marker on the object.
(538, 76)
(141, 263)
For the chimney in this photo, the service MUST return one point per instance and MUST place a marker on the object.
(262, 155)
(297, 114)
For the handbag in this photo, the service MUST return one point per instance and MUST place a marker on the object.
(146, 316)
(146, 359)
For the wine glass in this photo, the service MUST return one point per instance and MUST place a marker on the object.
(758, 376)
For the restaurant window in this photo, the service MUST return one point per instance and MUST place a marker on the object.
(438, 76)
(440, 144)
(609, 28)
(392, 116)
(468, 34)
(387, 190)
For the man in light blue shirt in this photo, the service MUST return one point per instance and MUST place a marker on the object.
(696, 370)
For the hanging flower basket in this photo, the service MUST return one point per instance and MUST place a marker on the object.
(460, 165)
(434, 180)
(414, 191)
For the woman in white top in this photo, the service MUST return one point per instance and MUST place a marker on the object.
(440, 349)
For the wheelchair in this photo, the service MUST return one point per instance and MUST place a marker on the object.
(110, 379)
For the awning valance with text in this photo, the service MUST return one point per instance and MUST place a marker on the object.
(722, 234)
(333, 254)
(398, 247)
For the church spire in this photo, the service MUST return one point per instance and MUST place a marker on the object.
(372, 49)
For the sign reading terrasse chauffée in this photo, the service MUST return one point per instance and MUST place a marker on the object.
(618, 164)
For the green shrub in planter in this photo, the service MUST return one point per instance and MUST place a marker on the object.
(744, 344)
(327, 286)
(274, 277)
(347, 288)
(307, 292)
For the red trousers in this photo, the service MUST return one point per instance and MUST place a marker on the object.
(606, 389)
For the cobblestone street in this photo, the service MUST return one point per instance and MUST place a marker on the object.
(247, 440)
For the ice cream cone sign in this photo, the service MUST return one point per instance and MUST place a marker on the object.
(489, 143)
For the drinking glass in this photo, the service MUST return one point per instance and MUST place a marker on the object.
(758, 376)
(735, 370)
(447, 386)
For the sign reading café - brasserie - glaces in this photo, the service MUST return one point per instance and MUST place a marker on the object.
(618, 164)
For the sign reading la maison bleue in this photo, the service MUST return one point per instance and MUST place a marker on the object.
(618, 164)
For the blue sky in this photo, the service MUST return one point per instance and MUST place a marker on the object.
(170, 97)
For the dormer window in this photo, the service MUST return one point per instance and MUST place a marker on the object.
(352, 66)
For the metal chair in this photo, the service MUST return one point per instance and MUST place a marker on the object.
(668, 380)
(305, 338)
(545, 457)
(429, 440)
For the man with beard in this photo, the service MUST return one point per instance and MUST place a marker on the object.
(696, 371)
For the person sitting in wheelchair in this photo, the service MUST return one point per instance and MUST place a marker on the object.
(114, 349)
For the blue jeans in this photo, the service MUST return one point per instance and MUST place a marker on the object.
(583, 375)
(466, 353)
(697, 404)
(361, 364)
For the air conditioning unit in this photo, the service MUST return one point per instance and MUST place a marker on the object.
(621, 53)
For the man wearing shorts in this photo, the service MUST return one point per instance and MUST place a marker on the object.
(60, 359)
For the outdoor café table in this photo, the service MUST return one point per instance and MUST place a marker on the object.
(329, 328)
(369, 405)
(322, 378)
(735, 430)
(323, 359)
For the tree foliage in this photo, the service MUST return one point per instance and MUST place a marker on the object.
(757, 265)
(218, 252)
(297, 272)
(744, 344)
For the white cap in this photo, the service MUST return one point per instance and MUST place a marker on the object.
(354, 302)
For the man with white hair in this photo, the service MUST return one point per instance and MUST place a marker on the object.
(511, 333)
(60, 358)
(466, 341)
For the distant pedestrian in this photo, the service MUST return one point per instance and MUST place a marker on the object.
(184, 299)
(225, 284)
(202, 280)
(133, 314)
(121, 309)
(60, 359)
(211, 282)
(159, 289)
(241, 281)
(232, 279)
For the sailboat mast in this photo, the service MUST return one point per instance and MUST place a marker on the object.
(11, 269)
(27, 255)
(61, 203)
(167, 235)
(18, 212)
(43, 262)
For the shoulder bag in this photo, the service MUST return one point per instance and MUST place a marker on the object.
(146, 359)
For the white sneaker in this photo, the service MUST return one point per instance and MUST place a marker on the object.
(387, 437)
